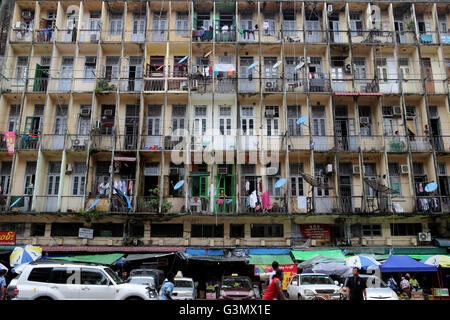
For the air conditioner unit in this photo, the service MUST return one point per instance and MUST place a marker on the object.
(69, 168)
(222, 170)
(108, 112)
(270, 113)
(330, 8)
(91, 60)
(404, 169)
(26, 14)
(364, 242)
(356, 169)
(79, 142)
(397, 111)
(424, 236)
(173, 171)
(329, 168)
(85, 112)
(364, 120)
(94, 37)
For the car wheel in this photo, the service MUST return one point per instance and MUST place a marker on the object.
(299, 296)
(287, 295)
(133, 298)
(43, 299)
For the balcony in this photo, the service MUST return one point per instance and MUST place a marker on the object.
(72, 203)
(412, 86)
(102, 141)
(406, 37)
(61, 84)
(151, 142)
(225, 36)
(134, 36)
(21, 34)
(225, 84)
(248, 35)
(198, 204)
(272, 85)
(323, 142)
(126, 142)
(77, 142)
(3, 146)
(53, 142)
(315, 36)
(37, 84)
(297, 85)
(179, 35)
(347, 143)
(10, 83)
(445, 38)
(27, 141)
(248, 85)
(319, 83)
(90, 35)
(174, 143)
(372, 143)
(396, 144)
(279, 206)
(158, 35)
(338, 36)
(428, 37)
(441, 143)
(292, 36)
(372, 37)
(44, 35)
(299, 143)
(420, 144)
(202, 35)
(47, 203)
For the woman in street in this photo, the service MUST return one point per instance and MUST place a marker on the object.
(274, 289)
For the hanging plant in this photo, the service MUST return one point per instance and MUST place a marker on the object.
(411, 25)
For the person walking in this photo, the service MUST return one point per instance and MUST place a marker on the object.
(274, 289)
(356, 287)
(275, 267)
(2, 285)
(167, 287)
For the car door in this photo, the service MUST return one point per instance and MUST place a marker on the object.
(292, 289)
(96, 285)
(65, 282)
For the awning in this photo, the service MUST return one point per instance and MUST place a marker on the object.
(266, 259)
(204, 252)
(95, 258)
(442, 242)
(410, 125)
(224, 67)
(130, 159)
(308, 254)
(218, 258)
(111, 249)
(199, 174)
(143, 256)
(405, 264)
(271, 251)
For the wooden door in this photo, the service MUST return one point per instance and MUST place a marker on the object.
(428, 73)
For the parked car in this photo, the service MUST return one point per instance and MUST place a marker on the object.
(311, 286)
(236, 287)
(157, 274)
(64, 280)
(377, 289)
(184, 289)
(143, 280)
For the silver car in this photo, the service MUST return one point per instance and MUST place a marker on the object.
(377, 289)
(184, 289)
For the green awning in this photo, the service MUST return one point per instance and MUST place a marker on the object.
(217, 258)
(199, 174)
(143, 256)
(415, 251)
(267, 259)
(308, 254)
(94, 258)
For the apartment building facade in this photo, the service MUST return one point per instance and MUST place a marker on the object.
(226, 124)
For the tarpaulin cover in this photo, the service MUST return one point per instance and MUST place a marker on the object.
(143, 256)
(305, 255)
(268, 259)
(269, 251)
(94, 258)
(405, 264)
(442, 242)
(204, 252)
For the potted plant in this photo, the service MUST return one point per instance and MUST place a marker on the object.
(154, 201)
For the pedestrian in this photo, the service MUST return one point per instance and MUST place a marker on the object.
(167, 287)
(275, 289)
(392, 283)
(275, 266)
(414, 283)
(356, 287)
(2, 285)
(405, 286)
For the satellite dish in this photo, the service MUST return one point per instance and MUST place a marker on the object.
(300, 65)
(302, 120)
(432, 186)
(313, 144)
(280, 183)
(254, 64)
(15, 202)
(276, 64)
(94, 204)
(178, 185)
(183, 59)
(380, 187)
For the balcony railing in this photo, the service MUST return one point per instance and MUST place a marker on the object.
(420, 144)
(47, 203)
(412, 86)
(299, 143)
(3, 146)
(247, 206)
(428, 37)
(225, 36)
(102, 141)
(225, 85)
(198, 204)
(53, 142)
(272, 84)
(154, 84)
(396, 144)
(441, 143)
(406, 37)
(319, 83)
(66, 35)
(27, 141)
(347, 143)
(322, 143)
(72, 203)
(373, 143)
(315, 36)
(44, 35)
(126, 142)
(37, 84)
(21, 35)
(151, 142)
(179, 35)
(445, 38)
(77, 142)
(158, 35)
(90, 35)
(248, 85)
(202, 35)
(292, 35)
(372, 37)
(134, 36)
(248, 35)
(296, 85)
(338, 36)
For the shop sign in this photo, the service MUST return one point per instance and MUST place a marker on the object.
(315, 231)
(7, 238)
(289, 270)
(86, 233)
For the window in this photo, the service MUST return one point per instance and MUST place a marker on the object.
(13, 119)
(62, 275)
(21, 69)
(5, 177)
(207, 231)
(247, 120)
(269, 24)
(166, 230)
(151, 169)
(266, 230)
(136, 230)
(225, 120)
(394, 177)
(371, 230)
(356, 24)
(319, 173)
(107, 229)
(18, 228)
(178, 117)
(272, 114)
(382, 69)
(405, 229)
(318, 121)
(360, 68)
(404, 67)
(65, 229)
(115, 23)
(40, 274)
(37, 230)
(154, 120)
(84, 123)
(112, 68)
(89, 68)
(182, 24)
(200, 119)
(53, 178)
(272, 179)
(296, 179)
(237, 230)
(78, 178)
(294, 113)
(93, 277)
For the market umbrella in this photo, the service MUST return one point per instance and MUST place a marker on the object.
(361, 262)
(2, 267)
(330, 268)
(19, 269)
(120, 262)
(24, 254)
(316, 260)
(438, 260)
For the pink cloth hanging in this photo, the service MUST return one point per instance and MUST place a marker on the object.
(266, 200)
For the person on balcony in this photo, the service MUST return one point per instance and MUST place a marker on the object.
(221, 200)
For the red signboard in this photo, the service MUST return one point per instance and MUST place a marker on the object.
(7, 238)
(289, 270)
(315, 231)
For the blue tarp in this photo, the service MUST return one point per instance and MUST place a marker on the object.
(275, 251)
(442, 242)
(204, 252)
(405, 264)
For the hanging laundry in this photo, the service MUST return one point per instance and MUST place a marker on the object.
(117, 185)
(266, 204)
(420, 187)
(253, 199)
(10, 139)
(130, 187)
(247, 185)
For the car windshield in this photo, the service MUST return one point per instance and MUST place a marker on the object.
(142, 280)
(375, 282)
(235, 283)
(183, 284)
(312, 279)
(113, 275)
